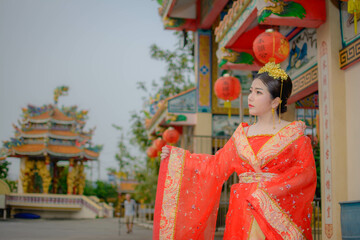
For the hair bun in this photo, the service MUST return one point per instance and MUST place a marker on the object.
(283, 107)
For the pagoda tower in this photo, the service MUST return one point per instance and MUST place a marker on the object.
(45, 136)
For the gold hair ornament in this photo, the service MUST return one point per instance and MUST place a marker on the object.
(274, 70)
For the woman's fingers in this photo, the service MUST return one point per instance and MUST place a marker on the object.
(164, 155)
(165, 152)
(165, 149)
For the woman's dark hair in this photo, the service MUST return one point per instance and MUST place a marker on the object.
(274, 87)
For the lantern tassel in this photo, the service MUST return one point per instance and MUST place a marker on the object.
(355, 22)
(227, 104)
(353, 8)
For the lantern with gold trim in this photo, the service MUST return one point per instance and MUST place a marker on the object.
(152, 152)
(171, 135)
(227, 88)
(159, 143)
(271, 46)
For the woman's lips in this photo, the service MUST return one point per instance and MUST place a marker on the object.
(251, 106)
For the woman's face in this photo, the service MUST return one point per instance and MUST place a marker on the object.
(259, 99)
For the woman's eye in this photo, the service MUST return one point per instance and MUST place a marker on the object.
(258, 92)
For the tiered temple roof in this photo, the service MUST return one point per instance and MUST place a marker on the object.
(50, 130)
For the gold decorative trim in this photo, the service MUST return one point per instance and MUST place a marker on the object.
(274, 146)
(164, 7)
(233, 14)
(243, 147)
(305, 80)
(171, 193)
(261, 135)
(349, 54)
(282, 139)
(276, 216)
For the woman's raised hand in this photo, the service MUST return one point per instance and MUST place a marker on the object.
(165, 152)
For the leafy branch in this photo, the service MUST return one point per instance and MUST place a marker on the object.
(178, 77)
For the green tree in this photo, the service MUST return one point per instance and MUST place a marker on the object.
(111, 170)
(62, 183)
(125, 159)
(89, 189)
(178, 77)
(4, 169)
(13, 185)
(101, 189)
(105, 191)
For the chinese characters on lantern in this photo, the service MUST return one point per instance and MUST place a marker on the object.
(271, 46)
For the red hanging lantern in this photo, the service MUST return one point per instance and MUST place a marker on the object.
(227, 88)
(171, 135)
(271, 46)
(152, 152)
(159, 143)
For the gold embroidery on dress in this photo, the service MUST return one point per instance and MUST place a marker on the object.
(274, 146)
(281, 140)
(243, 147)
(171, 193)
(275, 216)
(261, 135)
(251, 177)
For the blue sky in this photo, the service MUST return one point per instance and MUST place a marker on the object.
(99, 48)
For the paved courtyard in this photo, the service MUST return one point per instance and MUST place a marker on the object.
(41, 229)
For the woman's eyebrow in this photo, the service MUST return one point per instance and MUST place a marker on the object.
(258, 88)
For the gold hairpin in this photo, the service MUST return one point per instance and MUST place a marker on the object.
(274, 70)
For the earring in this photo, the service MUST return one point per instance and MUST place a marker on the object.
(254, 119)
(273, 115)
(280, 111)
(282, 83)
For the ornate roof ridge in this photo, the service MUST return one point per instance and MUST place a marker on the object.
(55, 150)
(60, 116)
(233, 14)
(63, 133)
(42, 116)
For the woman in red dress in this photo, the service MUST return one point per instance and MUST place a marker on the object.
(276, 169)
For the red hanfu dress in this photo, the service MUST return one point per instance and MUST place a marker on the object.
(277, 181)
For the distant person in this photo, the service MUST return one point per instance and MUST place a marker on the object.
(130, 207)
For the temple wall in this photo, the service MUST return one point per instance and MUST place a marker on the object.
(203, 76)
(203, 128)
(333, 139)
(352, 84)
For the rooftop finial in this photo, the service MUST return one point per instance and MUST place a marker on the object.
(60, 91)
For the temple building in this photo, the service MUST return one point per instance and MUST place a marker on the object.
(323, 64)
(53, 147)
(45, 136)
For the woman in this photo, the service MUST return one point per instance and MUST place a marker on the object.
(276, 168)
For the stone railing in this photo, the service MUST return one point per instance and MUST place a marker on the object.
(58, 205)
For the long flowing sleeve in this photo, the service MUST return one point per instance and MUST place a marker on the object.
(188, 192)
(282, 206)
